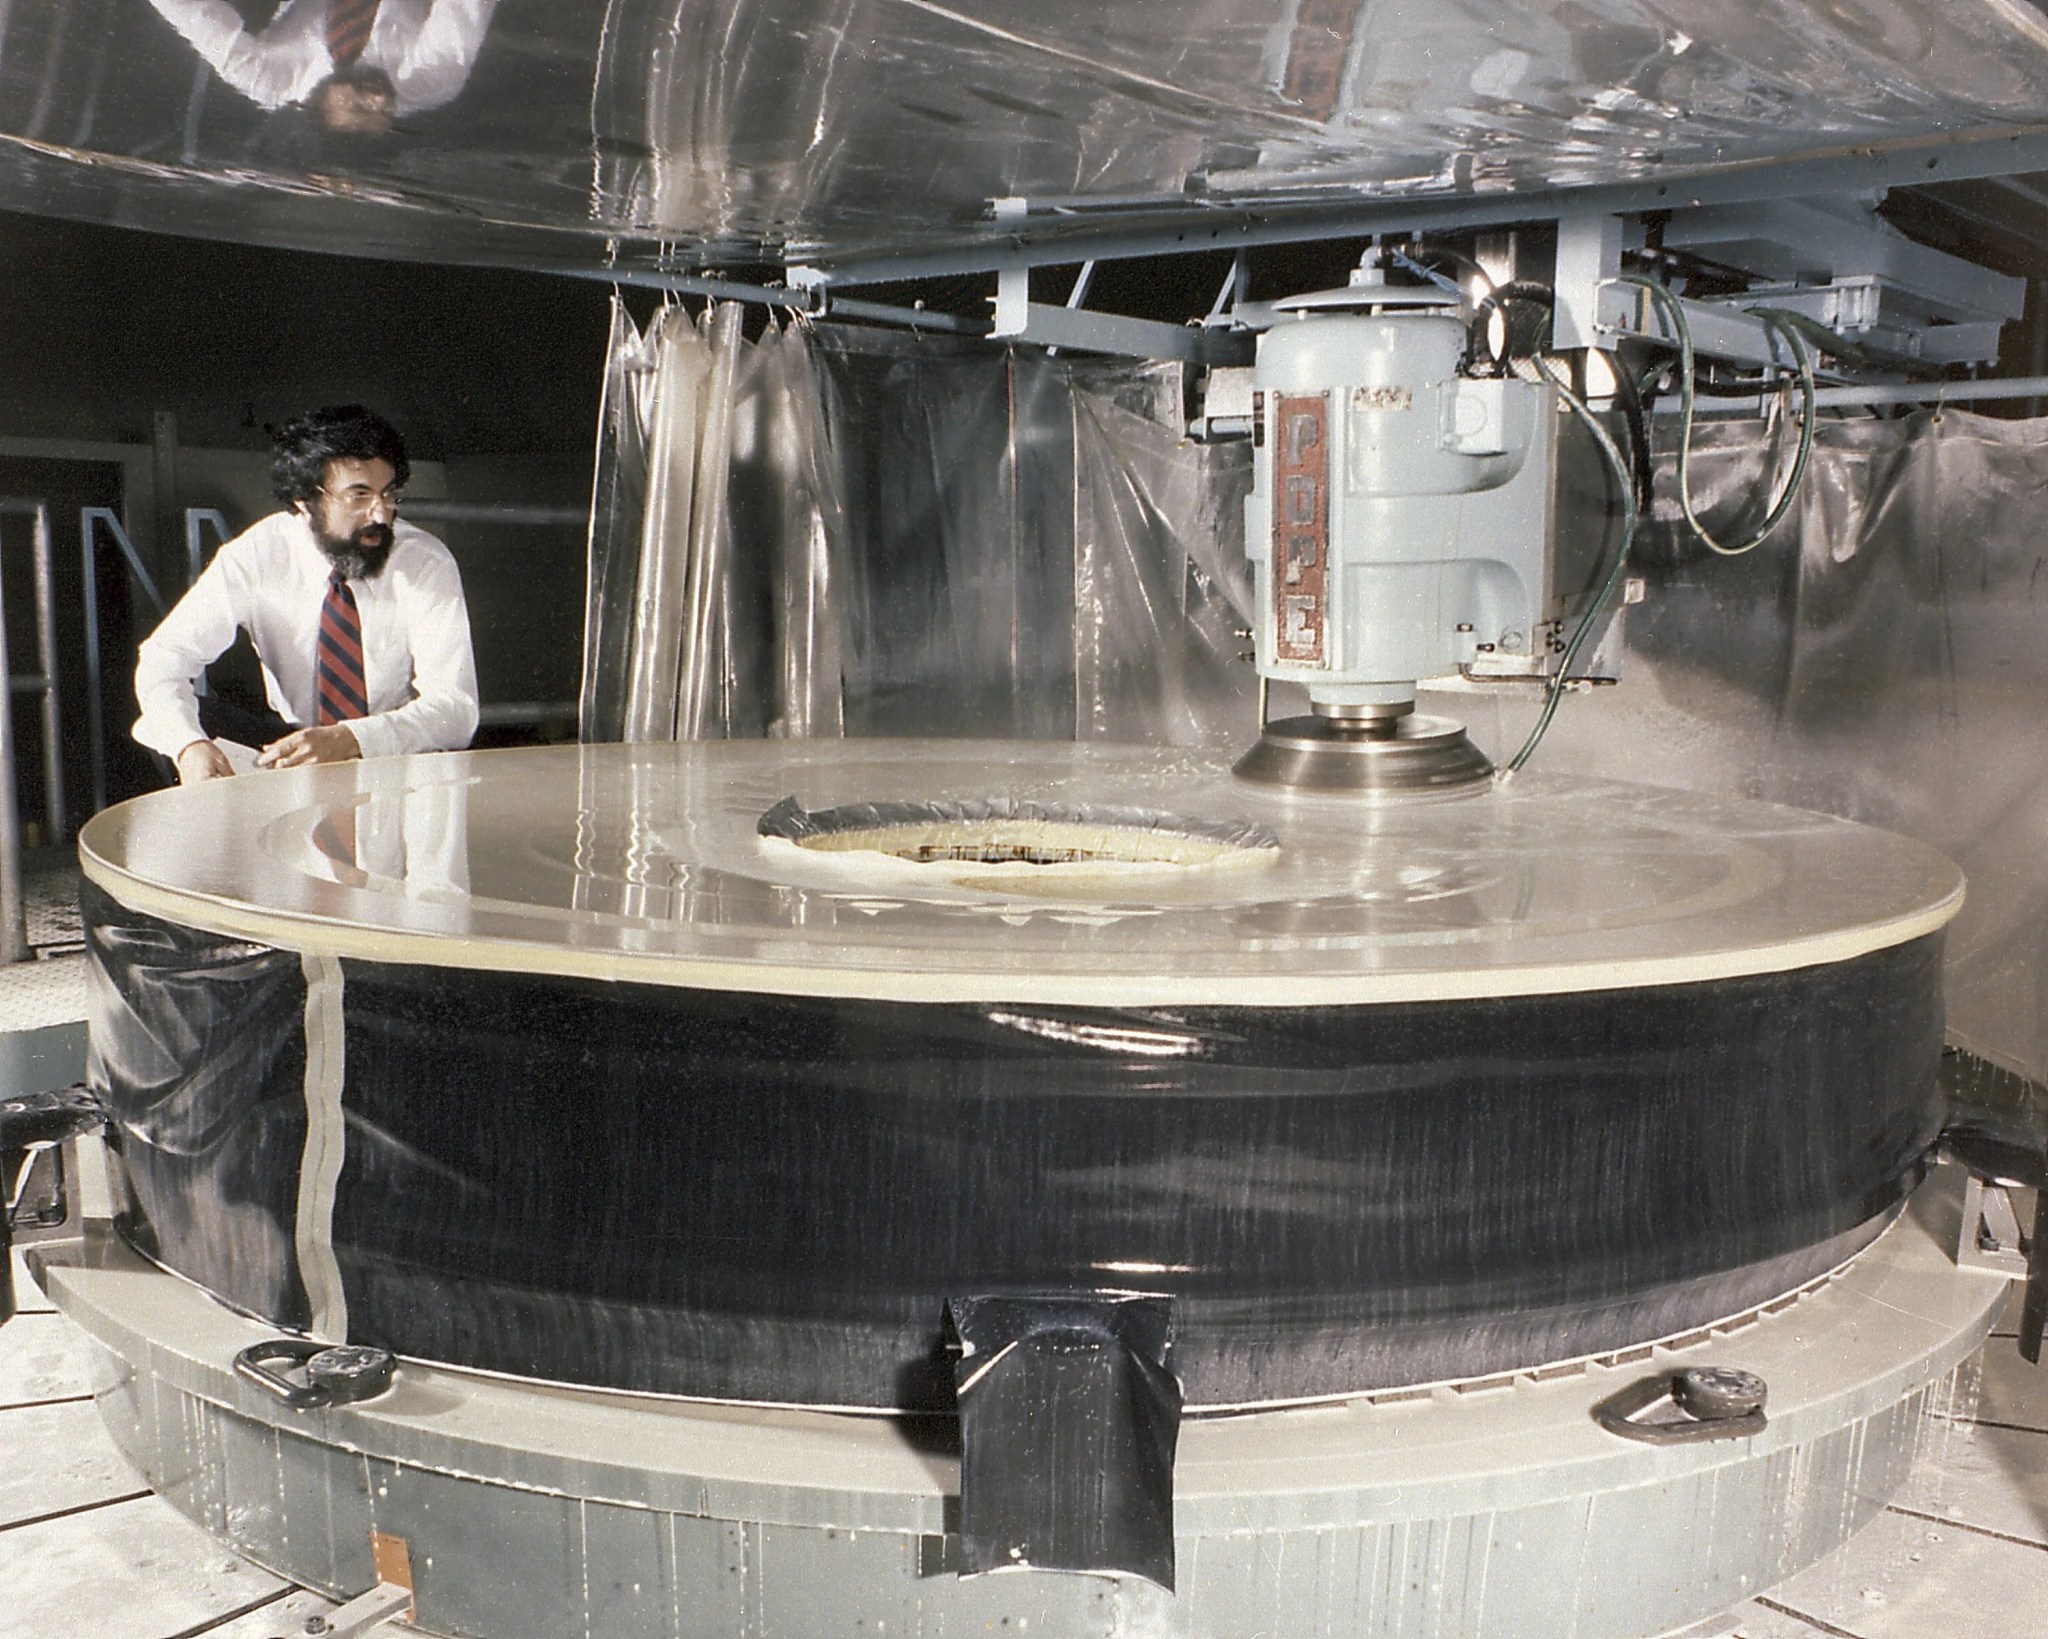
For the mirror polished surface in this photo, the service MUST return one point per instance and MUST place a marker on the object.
(676, 132)
(648, 863)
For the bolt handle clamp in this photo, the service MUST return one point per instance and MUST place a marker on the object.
(305, 1373)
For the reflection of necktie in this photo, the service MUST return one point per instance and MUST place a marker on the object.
(338, 661)
(348, 29)
(335, 835)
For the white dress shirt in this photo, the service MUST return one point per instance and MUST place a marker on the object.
(270, 581)
(426, 47)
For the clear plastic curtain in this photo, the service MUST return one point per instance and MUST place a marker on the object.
(859, 532)
(938, 538)
(1883, 656)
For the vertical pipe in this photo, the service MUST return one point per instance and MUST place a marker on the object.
(163, 453)
(2037, 335)
(196, 517)
(46, 648)
(95, 728)
(13, 914)
(195, 105)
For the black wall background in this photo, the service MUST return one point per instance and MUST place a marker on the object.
(101, 326)
(496, 373)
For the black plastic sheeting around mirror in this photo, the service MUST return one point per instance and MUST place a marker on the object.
(770, 1198)
(1069, 1417)
(198, 1050)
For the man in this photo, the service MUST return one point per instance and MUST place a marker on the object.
(355, 65)
(357, 617)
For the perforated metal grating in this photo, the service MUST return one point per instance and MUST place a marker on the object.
(50, 988)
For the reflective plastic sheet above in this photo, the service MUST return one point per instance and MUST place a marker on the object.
(537, 130)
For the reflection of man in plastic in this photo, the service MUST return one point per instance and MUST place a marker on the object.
(356, 65)
(410, 837)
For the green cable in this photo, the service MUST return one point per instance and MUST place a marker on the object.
(1625, 481)
(1778, 324)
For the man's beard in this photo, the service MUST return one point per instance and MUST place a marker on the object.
(359, 556)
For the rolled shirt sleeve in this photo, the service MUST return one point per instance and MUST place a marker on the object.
(193, 635)
(434, 64)
(281, 65)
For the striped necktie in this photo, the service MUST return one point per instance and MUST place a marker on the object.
(338, 662)
(348, 29)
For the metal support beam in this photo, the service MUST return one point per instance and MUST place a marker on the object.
(1719, 331)
(1072, 326)
(13, 908)
(163, 524)
(810, 298)
(1883, 393)
(54, 816)
(195, 547)
(1072, 232)
(43, 683)
(495, 512)
(1082, 331)
(1588, 254)
(90, 521)
(1013, 284)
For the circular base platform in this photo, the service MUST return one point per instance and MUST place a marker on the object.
(1495, 1509)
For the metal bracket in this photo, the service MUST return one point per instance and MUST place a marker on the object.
(1835, 262)
(1840, 248)
(1069, 1418)
(1019, 318)
(1082, 331)
(2003, 1155)
(35, 1131)
(1991, 1238)
(367, 1615)
(44, 1206)
(1588, 255)
(31, 1122)
(1719, 330)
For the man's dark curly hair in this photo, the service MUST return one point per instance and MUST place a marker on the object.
(338, 432)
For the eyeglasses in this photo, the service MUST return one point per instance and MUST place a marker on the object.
(360, 498)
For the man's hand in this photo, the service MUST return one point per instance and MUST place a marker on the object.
(333, 744)
(203, 760)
